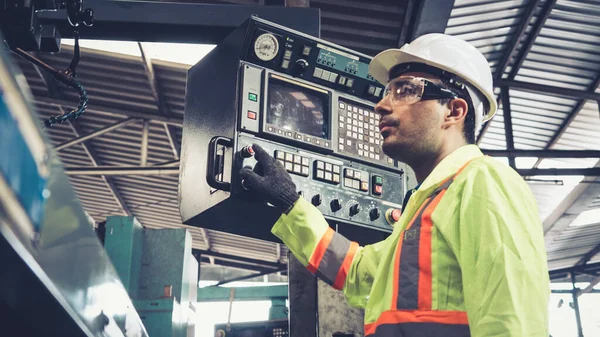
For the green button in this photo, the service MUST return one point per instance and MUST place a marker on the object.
(252, 97)
(378, 180)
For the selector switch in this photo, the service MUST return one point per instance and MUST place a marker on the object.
(374, 214)
(336, 205)
(316, 200)
(354, 209)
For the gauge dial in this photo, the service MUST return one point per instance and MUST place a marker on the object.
(266, 47)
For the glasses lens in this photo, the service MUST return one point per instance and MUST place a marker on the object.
(405, 90)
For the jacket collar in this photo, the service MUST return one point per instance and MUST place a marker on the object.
(448, 167)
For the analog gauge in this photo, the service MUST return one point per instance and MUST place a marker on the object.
(266, 47)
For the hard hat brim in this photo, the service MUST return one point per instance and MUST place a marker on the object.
(382, 63)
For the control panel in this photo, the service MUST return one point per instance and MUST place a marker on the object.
(341, 189)
(317, 61)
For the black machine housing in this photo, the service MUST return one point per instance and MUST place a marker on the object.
(307, 102)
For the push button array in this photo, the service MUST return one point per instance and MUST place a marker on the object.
(377, 185)
(293, 163)
(327, 172)
(356, 179)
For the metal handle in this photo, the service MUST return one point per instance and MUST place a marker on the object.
(215, 163)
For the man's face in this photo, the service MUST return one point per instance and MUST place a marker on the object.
(411, 130)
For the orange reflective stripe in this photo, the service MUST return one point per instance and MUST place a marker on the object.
(341, 276)
(417, 316)
(425, 254)
(317, 256)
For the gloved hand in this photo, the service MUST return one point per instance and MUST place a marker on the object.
(269, 181)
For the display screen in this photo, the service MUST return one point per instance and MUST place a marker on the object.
(297, 108)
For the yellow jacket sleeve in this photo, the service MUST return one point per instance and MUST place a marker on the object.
(327, 254)
(502, 255)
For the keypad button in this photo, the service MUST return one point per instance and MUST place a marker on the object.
(360, 137)
(357, 175)
(297, 168)
(289, 166)
(355, 116)
(376, 157)
(355, 123)
(279, 154)
(354, 109)
(354, 135)
(341, 147)
(377, 141)
(349, 114)
(336, 169)
(297, 159)
(305, 171)
(360, 146)
(348, 133)
(342, 105)
(341, 140)
(305, 161)
(371, 148)
(348, 182)
(348, 142)
(342, 119)
(355, 184)
(341, 125)
(328, 167)
(336, 178)
(328, 176)
(360, 152)
(282, 162)
(320, 165)
(349, 173)
(289, 157)
(320, 174)
(364, 186)
(371, 155)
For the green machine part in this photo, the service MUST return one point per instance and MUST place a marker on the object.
(278, 295)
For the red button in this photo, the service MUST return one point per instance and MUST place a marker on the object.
(378, 189)
(251, 114)
(396, 215)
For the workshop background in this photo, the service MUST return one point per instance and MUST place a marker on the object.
(545, 56)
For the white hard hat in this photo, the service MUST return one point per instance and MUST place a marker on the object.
(450, 54)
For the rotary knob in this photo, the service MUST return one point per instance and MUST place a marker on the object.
(336, 205)
(374, 214)
(354, 209)
(301, 66)
(316, 200)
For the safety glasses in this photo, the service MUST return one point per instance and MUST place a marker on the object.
(409, 90)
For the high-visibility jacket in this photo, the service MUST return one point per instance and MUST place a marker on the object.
(466, 258)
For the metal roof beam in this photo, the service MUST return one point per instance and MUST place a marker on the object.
(81, 138)
(158, 96)
(544, 153)
(572, 205)
(155, 21)
(516, 39)
(508, 129)
(588, 256)
(109, 183)
(121, 170)
(535, 31)
(592, 171)
(560, 273)
(242, 259)
(547, 89)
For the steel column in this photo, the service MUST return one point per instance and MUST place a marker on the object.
(96, 133)
(508, 130)
(576, 306)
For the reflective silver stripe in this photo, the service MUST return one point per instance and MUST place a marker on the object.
(408, 278)
(333, 258)
(421, 330)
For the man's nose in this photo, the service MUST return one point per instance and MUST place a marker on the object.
(384, 107)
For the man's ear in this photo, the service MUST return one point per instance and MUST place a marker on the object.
(457, 112)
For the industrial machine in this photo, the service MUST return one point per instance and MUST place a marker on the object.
(309, 103)
(58, 280)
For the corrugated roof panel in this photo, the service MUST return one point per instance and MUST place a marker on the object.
(570, 35)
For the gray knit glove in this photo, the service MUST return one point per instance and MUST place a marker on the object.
(269, 181)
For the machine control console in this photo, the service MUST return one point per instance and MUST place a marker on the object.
(341, 189)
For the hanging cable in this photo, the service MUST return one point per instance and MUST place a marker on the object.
(76, 16)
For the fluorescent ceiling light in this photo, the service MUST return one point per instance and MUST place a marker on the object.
(588, 217)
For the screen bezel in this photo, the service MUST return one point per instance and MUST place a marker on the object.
(327, 114)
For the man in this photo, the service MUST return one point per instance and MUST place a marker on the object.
(467, 256)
